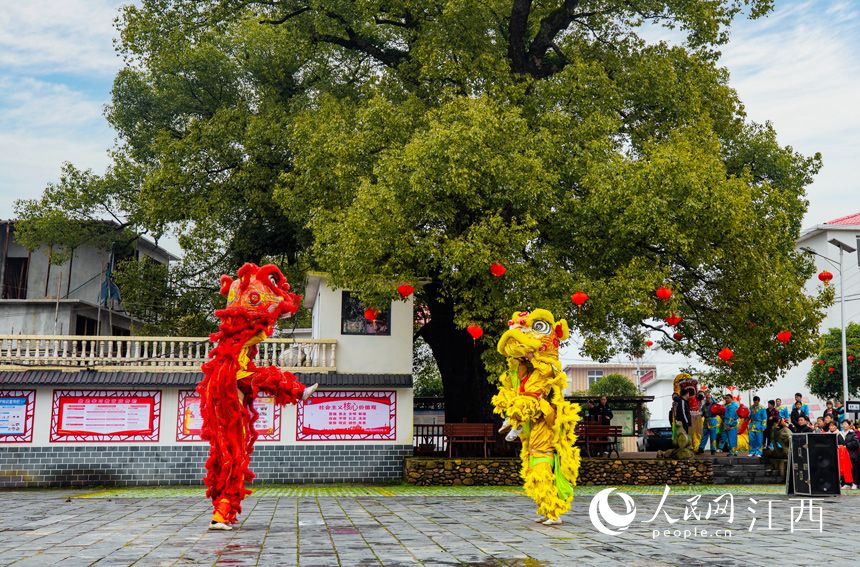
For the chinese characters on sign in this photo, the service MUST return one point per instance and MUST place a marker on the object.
(107, 415)
(189, 422)
(16, 415)
(346, 416)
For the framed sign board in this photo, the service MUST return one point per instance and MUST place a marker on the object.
(16, 415)
(189, 421)
(347, 415)
(105, 416)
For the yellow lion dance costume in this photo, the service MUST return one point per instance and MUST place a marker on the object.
(531, 398)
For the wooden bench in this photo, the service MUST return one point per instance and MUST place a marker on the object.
(601, 437)
(469, 433)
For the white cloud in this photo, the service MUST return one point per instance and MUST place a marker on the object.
(60, 36)
(800, 69)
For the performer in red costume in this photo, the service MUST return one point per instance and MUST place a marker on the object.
(231, 382)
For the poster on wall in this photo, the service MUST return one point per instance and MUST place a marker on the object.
(189, 421)
(16, 415)
(105, 415)
(343, 416)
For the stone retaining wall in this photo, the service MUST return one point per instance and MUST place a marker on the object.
(427, 471)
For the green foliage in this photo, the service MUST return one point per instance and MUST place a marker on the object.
(421, 141)
(828, 385)
(613, 385)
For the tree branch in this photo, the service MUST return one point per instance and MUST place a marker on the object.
(287, 16)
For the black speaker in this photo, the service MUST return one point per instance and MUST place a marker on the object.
(823, 463)
(813, 465)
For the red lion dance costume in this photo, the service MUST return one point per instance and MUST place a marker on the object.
(231, 382)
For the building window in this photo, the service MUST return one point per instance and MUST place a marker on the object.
(15, 278)
(352, 321)
(594, 376)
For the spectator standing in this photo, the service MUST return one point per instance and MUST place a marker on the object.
(682, 410)
(802, 425)
(796, 414)
(798, 397)
(784, 412)
(852, 446)
(757, 426)
(772, 418)
(730, 425)
(840, 412)
(829, 410)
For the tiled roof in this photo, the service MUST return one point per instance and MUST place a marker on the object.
(850, 219)
(183, 379)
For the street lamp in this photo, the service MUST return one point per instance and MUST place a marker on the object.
(843, 248)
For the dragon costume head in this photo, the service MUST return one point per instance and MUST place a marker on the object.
(259, 294)
(533, 332)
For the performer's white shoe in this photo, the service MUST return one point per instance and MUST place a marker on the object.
(505, 425)
(550, 522)
(541, 519)
(513, 434)
(309, 391)
(213, 525)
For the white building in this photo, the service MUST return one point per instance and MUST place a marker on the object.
(55, 393)
(39, 298)
(817, 239)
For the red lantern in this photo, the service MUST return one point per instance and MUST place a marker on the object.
(850, 358)
(831, 370)
(663, 293)
(497, 269)
(649, 343)
(825, 276)
(821, 361)
(579, 298)
(678, 336)
(726, 354)
(672, 320)
(370, 314)
(783, 337)
(475, 331)
(405, 290)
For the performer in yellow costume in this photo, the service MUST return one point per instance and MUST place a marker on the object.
(531, 397)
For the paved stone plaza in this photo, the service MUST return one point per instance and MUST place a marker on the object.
(407, 526)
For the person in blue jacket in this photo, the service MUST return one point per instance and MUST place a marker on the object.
(784, 412)
(758, 423)
(730, 425)
(710, 424)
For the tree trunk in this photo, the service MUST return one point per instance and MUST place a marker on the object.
(467, 390)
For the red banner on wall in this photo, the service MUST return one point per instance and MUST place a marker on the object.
(105, 415)
(337, 416)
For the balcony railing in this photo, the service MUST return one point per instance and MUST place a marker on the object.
(163, 354)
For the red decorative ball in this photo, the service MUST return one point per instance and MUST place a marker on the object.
(497, 269)
(743, 412)
(673, 320)
(726, 354)
(850, 358)
(825, 276)
(821, 361)
(678, 336)
(831, 370)
(475, 331)
(663, 293)
(579, 298)
(370, 314)
(783, 336)
(405, 290)
(649, 343)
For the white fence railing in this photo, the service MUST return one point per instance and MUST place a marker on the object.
(165, 354)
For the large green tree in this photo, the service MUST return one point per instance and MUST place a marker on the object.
(420, 141)
(825, 376)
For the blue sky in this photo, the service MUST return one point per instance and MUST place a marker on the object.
(799, 68)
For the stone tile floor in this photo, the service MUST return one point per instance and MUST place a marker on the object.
(402, 525)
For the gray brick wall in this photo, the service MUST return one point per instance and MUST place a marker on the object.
(104, 465)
